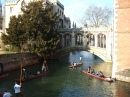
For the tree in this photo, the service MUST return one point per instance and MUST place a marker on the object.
(40, 28)
(97, 16)
(35, 29)
(14, 34)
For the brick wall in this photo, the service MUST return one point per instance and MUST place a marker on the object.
(122, 35)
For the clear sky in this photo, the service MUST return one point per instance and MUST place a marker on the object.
(75, 9)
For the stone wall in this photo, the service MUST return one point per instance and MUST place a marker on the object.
(14, 61)
(123, 75)
(122, 40)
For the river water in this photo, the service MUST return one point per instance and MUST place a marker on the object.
(64, 82)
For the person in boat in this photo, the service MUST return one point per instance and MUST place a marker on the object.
(75, 63)
(44, 66)
(80, 59)
(108, 79)
(30, 74)
(7, 94)
(24, 73)
(2, 68)
(92, 71)
(89, 69)
(17, 89)
(100, 74)
(38, 72)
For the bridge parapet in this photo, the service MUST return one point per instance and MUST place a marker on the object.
(106, 29)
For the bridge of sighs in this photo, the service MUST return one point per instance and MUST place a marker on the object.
(98, 41)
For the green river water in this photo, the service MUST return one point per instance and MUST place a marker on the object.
(64, 82)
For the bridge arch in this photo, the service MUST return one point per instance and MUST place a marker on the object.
(100, 52)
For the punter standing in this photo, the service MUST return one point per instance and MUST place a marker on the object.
(17, 89)
(44, 66)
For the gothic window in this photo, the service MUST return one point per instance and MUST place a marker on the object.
(58, 10)
(11, 9)
(62, 13)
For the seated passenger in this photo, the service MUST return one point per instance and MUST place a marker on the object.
(101, 74)
(92, 71)
(38, 72)
(108, 79)
(97, 74)
(30, 74)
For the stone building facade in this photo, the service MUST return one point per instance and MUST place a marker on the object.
(1, 25)
(121, 64)
(14, 8)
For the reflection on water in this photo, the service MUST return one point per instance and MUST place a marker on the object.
(64, 82)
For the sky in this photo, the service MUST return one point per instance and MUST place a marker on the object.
(75, 9)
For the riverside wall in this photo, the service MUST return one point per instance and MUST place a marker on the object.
(14, 61)
(121, 61)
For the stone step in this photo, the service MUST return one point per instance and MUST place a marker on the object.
(125, 72)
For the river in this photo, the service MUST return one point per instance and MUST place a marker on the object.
(64, 82)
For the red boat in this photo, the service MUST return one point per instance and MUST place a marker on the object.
(34, 76)
(78, 64)
(101, 78)
(3, 76)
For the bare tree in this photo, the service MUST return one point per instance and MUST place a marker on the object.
(97, 16)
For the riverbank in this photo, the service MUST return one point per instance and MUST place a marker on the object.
(123, 75)
(12, 61)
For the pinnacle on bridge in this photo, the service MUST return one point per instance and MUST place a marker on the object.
(0, 9)
(75, 25)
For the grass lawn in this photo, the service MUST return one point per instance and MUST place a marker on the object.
(6, 52)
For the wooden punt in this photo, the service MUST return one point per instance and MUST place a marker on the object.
(101, 78)
(34, 76)
(78, 64)
(3, 76)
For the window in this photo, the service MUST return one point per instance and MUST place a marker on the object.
(11, 9)
(62, 13)
(58, 11)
